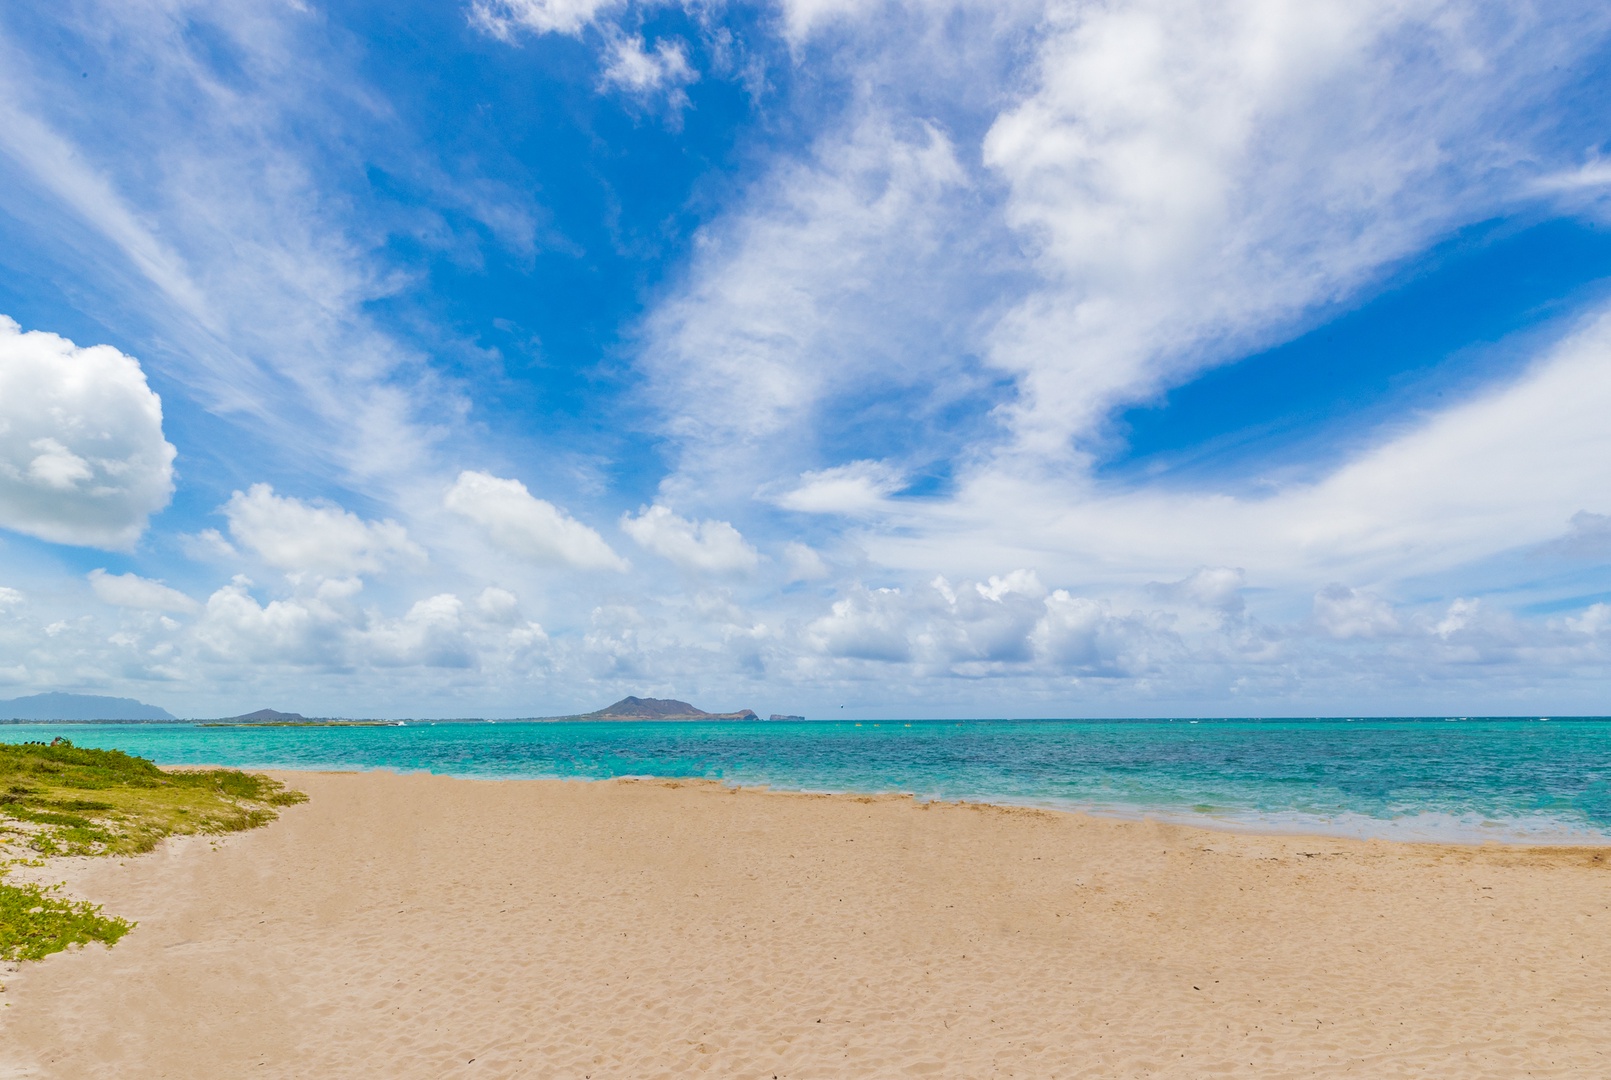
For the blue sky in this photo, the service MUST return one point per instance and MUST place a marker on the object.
(502, 357)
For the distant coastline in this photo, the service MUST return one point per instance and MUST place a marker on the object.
(91, 708)
(83, 708)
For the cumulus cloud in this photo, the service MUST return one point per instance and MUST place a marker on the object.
(324, 628)
(315, 537)
(505, 19)
(308, 631)
(82, 456)
(804, 562)
(869, 624)
(856, 488)
(498, 605)
(1017, 583)
(133, 591)
(1007, 624)
(1349, 613)
(522, 525)
(1082, 635)
(431, 634)
(705, 546)
(989, 622)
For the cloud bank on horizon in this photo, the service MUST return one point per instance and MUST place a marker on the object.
(1049, 357)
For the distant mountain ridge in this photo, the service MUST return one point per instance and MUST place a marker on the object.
(59, 706)
(636, 708)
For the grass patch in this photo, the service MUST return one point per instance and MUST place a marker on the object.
(35, 923)
(60, 799)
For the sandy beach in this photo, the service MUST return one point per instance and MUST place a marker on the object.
(414, 926)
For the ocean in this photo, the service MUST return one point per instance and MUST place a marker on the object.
(1466, 780)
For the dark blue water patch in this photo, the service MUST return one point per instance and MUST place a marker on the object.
(1415, 778)
(1424, 341)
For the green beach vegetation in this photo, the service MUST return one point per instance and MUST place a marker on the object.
(34, 923)
(60, 799)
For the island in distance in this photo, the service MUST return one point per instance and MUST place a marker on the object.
(636, 708)
(276, 718)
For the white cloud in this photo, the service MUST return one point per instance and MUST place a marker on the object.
(498, 605)
(869, 624)
(857, 488)
(989, 623)
(1503, 470)
(431, 634)
(527, 527)
(1009, 624)
(804, 562)
(708, 546)
(1217, 587)
(1349, 613)
(1588, 536)
(1078, 634)
(834, 272)
(236, 628)
(133, 591)
(1460, 615)
(252, 278)
(1595, 619)
(82, 456)
(802, 17)
(208, 545)
(1169, 184)
(632, 67)
(1196, 175)
(505, 19)
(9, 597)
(1592, 175)
(316, 537)
(1018, 583)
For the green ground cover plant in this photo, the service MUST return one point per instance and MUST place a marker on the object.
(35, 923)
(61, 799)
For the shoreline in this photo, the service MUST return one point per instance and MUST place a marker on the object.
(1409, 781)
(1188, 820)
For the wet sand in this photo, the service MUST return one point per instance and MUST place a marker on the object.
(412, 926)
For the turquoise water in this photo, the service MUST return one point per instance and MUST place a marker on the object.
(1526, 780)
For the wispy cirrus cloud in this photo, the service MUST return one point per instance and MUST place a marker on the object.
(250, 284)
